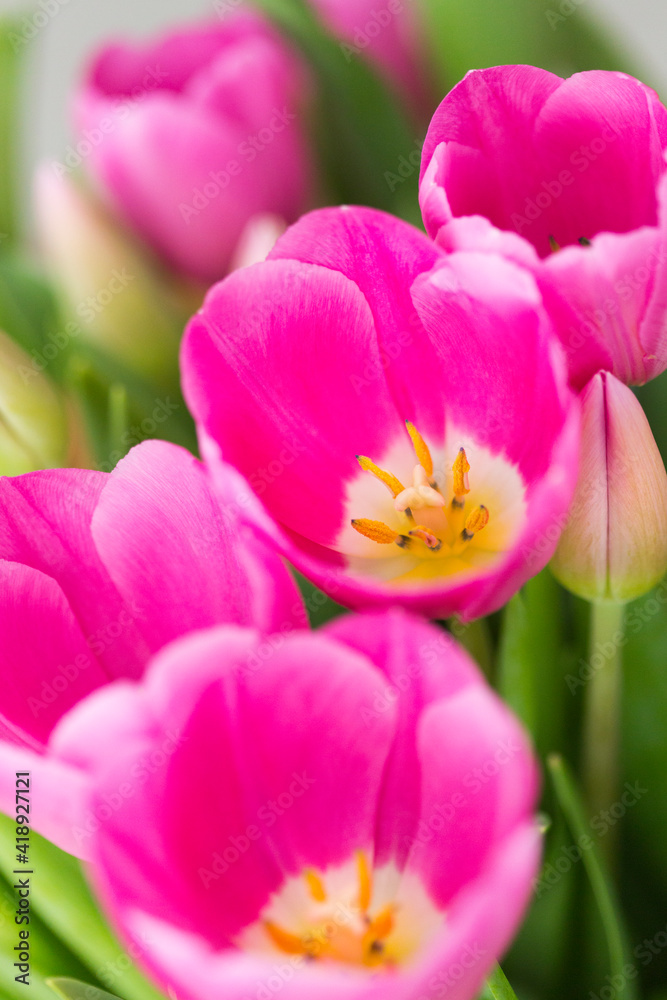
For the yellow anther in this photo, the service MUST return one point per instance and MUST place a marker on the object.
(393, 484)
(553, 244)
(377, 531)
(365, 882)
(421, 448)
(476, 520)
(315, 886)
(430, 540)
(291, 944)
(461, 468)
(382, 925)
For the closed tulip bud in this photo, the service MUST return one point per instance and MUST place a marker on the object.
(33, 422)
(106, 282)
(614, 547)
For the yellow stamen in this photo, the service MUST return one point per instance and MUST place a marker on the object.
(377, 531)
(365, 882)
(553, 244)
(477, 519)
(461, 468)
(382, 925)
(428, 538)
(393, 484)
(315, 886)
(291, 944)
(421, 448)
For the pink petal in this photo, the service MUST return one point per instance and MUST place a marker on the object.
(382, 256)
(256, 381)
(546, 157)
(58, 794)
(173, 551)
(45, 525)
(185, 151)
(226, 700)
(52, 665)
(479, 310)
(481, 921)
(422, 665)
(478, 784)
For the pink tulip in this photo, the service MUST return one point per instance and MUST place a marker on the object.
(192, 135)
(99, 571)
(614, 547)
(303, 371)
(387, 33)
(352, 819)
(575, 168)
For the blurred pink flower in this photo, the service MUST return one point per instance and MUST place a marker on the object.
(353, 820)
(99, 571)
(356, 324)
(387, 33)
(193, 134)
(575, 166)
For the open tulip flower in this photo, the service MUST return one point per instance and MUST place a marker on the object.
(352, 820)
(568, 176)
(98, 572)
(403, 413)
(185, 149)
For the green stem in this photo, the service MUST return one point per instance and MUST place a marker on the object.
(601, 765)
(498, 985)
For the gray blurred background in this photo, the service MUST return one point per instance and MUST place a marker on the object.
(59, 49)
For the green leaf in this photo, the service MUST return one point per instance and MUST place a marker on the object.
(27, 310)
(464, 35)
(498, 985)
(530, 661)
(48, 956)
(61, 898)
(644, 738)
(361, 129)
(321, 609)
(74, 989)
(10, 67)
(603, 891)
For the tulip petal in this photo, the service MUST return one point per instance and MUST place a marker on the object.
(288, 403)
(478, 310)
(172, 550)
(546, 157)
(53, 665)
(382, 256)
(59, 794)
(227, 709)
(425, 665)
(478, 782)
(45, 525)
